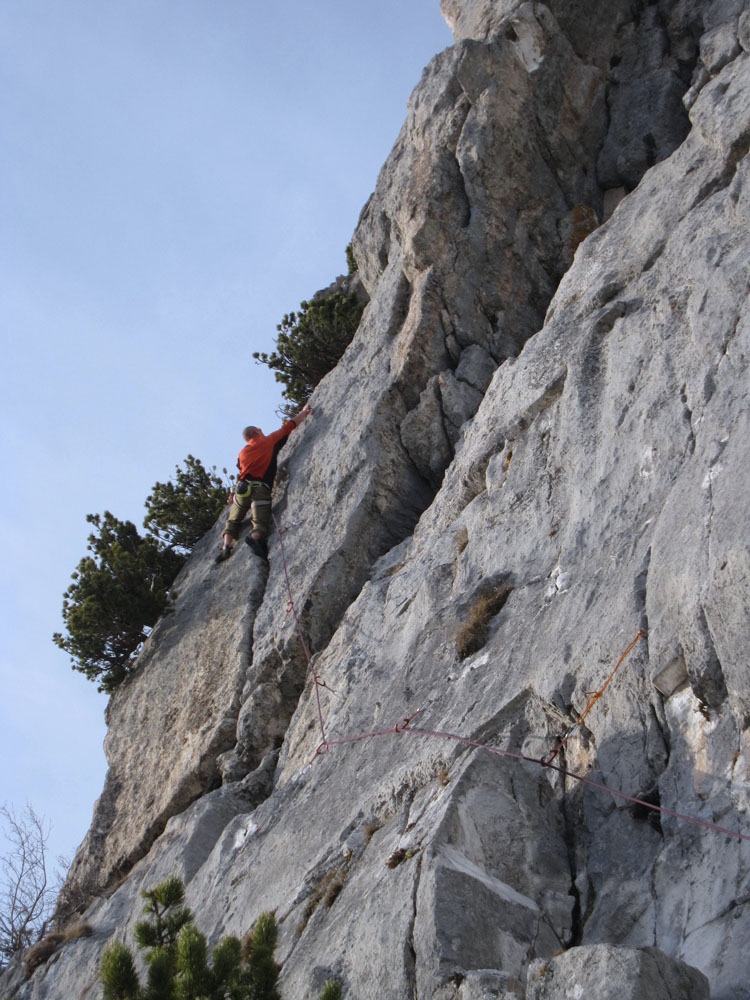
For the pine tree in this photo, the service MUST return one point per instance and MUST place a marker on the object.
(117, 973)
(117, 594)
(167, 915)
(177, 957)
(182, 510)
(263, 972)
(194, 979)
(310, 343)
(228, 967)
(160, 974)
(351, 260)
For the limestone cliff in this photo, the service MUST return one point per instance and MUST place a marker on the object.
(539, 439)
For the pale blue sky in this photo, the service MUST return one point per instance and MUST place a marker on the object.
(176, 175)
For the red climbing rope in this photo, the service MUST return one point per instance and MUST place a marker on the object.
(404, 731)
(592, 698)
(404, 728)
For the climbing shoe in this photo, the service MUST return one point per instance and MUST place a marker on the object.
(258, 545)
(224, 554)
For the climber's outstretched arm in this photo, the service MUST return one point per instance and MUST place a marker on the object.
(303, 414)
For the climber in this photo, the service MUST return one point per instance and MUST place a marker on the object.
(252, 491)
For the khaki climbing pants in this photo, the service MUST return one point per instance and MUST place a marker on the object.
(255, 497)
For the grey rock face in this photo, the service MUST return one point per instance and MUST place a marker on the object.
(170, 721)
(743, 30)
(443, 275)
(615, 974)
(530, 451)
(645, 85)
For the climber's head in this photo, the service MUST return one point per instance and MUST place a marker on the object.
(252, 432)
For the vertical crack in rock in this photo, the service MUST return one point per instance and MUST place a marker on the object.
(662, 726)
(462, 195)
(705, 670)
(729, 338)
(688, 415)
(654, 888)
(571, 844)
(640, 592)
(410, 942)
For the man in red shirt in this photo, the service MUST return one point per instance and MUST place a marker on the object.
(252, 491)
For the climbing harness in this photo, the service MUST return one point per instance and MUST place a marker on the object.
(244, 486)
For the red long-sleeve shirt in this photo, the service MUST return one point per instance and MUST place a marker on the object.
(257, 460)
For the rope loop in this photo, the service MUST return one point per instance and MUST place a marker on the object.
(545, 761)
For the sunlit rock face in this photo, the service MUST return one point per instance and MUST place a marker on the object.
(537, 444)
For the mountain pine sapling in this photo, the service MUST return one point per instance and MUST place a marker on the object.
(117, 594)
(263, 972)
(177, 961)
(181, 511)
(310, 343)
(117, 973)
(167, 915)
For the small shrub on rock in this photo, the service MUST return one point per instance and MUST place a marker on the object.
(351, 261)
(331, 990)
(473, 634)
(166, 916)
(79, 929)
(41, 952)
